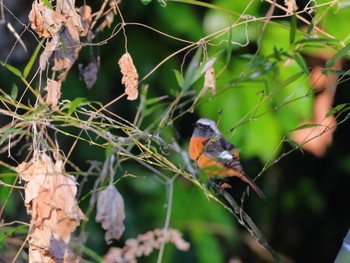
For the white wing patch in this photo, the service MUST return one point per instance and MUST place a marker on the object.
(225, 155)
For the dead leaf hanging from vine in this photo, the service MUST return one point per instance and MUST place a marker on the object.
(130, 77)
(209, 80)
(53, 89)
(50, 200)
(110, 213)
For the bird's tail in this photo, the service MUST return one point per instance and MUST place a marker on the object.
(253, 185)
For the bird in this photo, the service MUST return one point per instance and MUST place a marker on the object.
(217, 156)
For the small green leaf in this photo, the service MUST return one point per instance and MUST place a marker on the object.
(47, 3)
(13, 69)
(301, 62)
(306, 126)
(146, 2)
(293, 28)
(338, 109)
(40, 109)
(343, 52)
(14, 91)
(32, 59)
(291, 79)
(77, 102)
(191, 74)
(6, 132)
(109, 150)
(162, 3)
(179, 78)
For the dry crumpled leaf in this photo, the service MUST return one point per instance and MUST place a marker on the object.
(53, 89)
(209, 80)
(89, 73)
(144, 245)
(130, 77)
(110, 213)
(45, 21)
(86, 18)
(50, 200)
(68, 53)
(291, 6)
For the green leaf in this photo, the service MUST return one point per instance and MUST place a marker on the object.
(179, 78)
(40, 109)
(146, 2)
(77, 102)
(32, 59)
(301, 62)
(14, 91)
(293, 28)
(13, 69)
(306, 126)
(6, 132)
(47, 3)
(338, 56)
(335, 72)
(191, 74)
(162, 3)
(338, 109)
(291, 79)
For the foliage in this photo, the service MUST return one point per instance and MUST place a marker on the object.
(247, 65)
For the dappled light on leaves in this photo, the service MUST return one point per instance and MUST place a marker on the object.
(110, 212)
(50, 200)
(130, 76)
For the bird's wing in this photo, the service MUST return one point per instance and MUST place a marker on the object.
(222, 151)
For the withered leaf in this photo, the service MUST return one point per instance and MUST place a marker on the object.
(209, 80)
(53, 89)
(85, 13)
(291, 6)
(44, 21)
(89, 73)
(50, 200)
(130, 77)
(110, 212)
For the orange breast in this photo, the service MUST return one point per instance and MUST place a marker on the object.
(208, 165)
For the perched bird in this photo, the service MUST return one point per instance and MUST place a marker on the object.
(216, 155)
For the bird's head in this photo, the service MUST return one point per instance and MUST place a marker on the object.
(205, 128)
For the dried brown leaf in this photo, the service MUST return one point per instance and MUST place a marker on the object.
(291, 6)
(44, 21)
(110, 212)
(68, 53)
(48, 51)
(67, 8)
(50, 200)
(144, 245)
(53, 89)
(209, 80)
(130, 77)
(85, 13)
